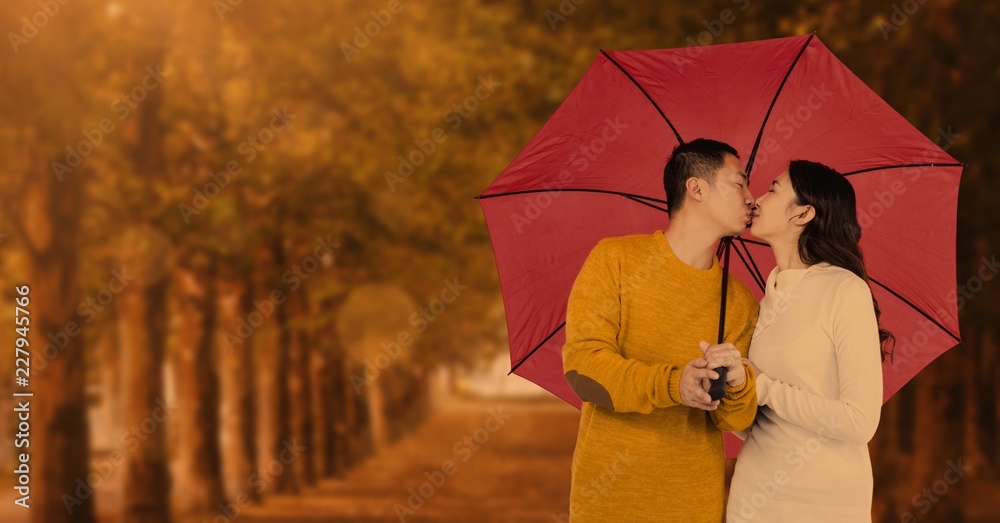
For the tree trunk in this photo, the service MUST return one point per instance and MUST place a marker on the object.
(271, 361)
(60, 440)
(938, 444)
(199, 484)
(972, 388)
(319, 392)
(338, 410)
(332, 402)
(992, 361)
(888, 462)
(993, 348)
(236, 376)
(142, 332)
(360, 410)
(298, 385)
(349, 401)
(109, 369)
(423, 393)
(143, 314)
(8, 424)
(375, 393)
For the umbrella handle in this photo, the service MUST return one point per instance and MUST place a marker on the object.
(718, 388)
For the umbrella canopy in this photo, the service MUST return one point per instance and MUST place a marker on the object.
(595, 169)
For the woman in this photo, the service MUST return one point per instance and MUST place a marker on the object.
(817, 355)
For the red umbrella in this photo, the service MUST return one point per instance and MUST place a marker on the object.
(595, 170)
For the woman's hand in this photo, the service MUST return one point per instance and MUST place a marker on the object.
(725, 355)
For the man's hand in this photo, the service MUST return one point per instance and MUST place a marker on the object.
(725, 355)
(693, 392)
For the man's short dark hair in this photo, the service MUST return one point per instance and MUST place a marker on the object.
(700, 158)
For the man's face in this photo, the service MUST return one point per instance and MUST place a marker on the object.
(728, 201)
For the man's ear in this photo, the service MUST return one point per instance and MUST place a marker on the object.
(805, 216)
(693, 186)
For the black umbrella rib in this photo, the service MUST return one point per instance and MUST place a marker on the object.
(648, 97)
(570, 189)
(890, 291)
(751, 266)
(744, 242)
(746, 264)
(525, 358)
(914, 307)
(756, 269)
(904, 166)
(661, 209)
(760, 134)
(728, 242)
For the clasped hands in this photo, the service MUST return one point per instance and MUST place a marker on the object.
(696, 374)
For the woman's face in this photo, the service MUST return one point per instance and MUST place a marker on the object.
(776, 215)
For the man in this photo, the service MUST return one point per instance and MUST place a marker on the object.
(638, 322)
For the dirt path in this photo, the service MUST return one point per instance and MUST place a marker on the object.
(476, 460)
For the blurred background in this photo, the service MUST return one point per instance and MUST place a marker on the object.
(247, 301)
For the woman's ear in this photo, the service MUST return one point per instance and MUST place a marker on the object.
(805, 216)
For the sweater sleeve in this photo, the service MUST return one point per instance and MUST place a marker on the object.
(854, 416)
(592, 360)
(738, 407)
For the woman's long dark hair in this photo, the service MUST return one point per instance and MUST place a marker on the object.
(833, 235)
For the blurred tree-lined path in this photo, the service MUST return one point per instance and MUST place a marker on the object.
(197, 192)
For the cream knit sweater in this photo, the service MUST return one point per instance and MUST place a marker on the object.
(819, 395)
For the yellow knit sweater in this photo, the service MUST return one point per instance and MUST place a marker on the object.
(635, 316)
